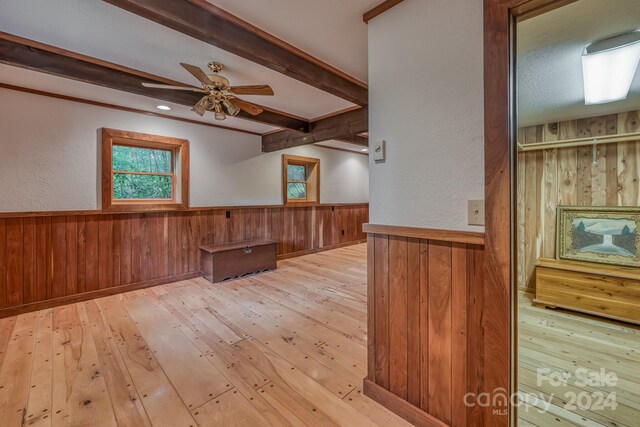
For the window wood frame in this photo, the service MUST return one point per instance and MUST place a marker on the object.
(312, 181)
(179, 149)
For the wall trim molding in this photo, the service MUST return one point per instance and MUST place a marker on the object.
(400, 406)
(322, 249)
(4, 215)
(342, 149)
(455, 236)
(121, 108)
(85, 296)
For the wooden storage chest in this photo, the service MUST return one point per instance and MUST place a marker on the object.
(231, 260)
(602, 290)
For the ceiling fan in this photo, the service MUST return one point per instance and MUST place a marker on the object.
(219, 96)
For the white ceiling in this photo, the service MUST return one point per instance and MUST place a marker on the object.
(330, 30)
(549, 64)
(334, 32)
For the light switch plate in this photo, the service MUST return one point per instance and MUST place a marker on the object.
(378, 151)
(475, 212)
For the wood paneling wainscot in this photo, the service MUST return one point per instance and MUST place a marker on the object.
(425, 341)
(49, 259)
(567, 176)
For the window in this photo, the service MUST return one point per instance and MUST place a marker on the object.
(143, 172)
(300, 180)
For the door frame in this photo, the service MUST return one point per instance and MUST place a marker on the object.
(499, 326)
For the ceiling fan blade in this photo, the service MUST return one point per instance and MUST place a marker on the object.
(159, 86)
(252, 90)
(202, 106)
(245, 106)
(197, 73)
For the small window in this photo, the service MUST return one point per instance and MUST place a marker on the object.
(143, 172)
(301, 180)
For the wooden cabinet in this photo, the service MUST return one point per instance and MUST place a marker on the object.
(601, 290)
(230, 260)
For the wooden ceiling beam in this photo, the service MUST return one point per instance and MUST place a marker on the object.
(345, 125)
(379, 9)
(198, 19)
(43, 58)
(359, 140)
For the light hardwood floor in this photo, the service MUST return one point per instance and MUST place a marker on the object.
(563, 341)
(282, 348)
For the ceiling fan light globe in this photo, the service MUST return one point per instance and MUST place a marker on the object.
(231, 109)
(220, 116)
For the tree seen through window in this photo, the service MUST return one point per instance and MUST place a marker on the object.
(142, 173)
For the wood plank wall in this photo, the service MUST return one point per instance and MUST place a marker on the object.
(566, 176)
(64, 257)
(425, 340)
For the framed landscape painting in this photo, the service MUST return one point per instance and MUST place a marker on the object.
(599, 234)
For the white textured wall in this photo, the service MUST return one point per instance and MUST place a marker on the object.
(49, 158)
(426, 101)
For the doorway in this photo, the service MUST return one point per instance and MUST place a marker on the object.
(576, 157)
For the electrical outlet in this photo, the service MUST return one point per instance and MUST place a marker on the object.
(475, 212)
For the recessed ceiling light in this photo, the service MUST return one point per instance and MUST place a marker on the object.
(364, 150)
(608, 67)
(163, 107)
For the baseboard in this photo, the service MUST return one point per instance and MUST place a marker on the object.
(401, 407)
(322, 249)
(40, 305)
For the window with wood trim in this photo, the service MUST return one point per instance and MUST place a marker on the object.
(144, 172)
(300, 180)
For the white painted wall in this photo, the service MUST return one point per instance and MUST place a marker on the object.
(426, 101)
(49, 160)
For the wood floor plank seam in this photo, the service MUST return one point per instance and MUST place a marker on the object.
(319, 321)
(117, 349)
(102, 367)
(309, 355)
(164, 368)
(8, 417)
(212, 350)
(5, 336)
(147, 346)
(213, 398)
(35, 337)
(319, 342)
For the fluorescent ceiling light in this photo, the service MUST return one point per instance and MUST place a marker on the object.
(163, 107)
(364, 150)
(608, 67)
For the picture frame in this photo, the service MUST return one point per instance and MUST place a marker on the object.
(607, 235)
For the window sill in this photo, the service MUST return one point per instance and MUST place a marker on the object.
(301, 203)
(145, 207)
